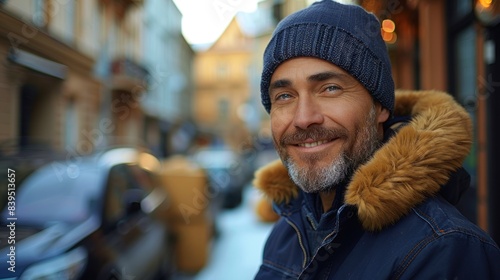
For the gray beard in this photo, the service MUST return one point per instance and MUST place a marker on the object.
(325, 179)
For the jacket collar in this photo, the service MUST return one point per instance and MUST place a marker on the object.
(409, 167)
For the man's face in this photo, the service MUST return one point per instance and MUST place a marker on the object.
(324, 122)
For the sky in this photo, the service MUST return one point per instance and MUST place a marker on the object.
(203, 21)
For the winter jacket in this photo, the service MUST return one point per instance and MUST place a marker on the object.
(394, 221)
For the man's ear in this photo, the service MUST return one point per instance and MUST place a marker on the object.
(383, 114)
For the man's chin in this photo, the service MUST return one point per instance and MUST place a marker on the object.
(318, 177)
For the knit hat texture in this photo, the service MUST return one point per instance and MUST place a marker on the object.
(345, 35)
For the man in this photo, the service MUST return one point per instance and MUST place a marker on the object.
(372, 177)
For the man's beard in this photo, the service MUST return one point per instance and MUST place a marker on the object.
(313, 179)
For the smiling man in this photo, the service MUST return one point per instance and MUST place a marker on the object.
(367, 177)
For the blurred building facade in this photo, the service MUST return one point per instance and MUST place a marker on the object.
(49, 92)
(168, 56)
(81, 75)
(223, 86)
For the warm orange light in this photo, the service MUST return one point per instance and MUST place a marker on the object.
(389, 26)
(485, 3)
(393, 39)
(389, 37)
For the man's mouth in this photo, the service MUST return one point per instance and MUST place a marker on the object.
(313, 144)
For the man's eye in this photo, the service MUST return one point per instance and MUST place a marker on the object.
(332, 88)
(283, 96)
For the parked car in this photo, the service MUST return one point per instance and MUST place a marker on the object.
(91, 217)
(227, 172)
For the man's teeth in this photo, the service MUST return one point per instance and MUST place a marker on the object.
(313, 144)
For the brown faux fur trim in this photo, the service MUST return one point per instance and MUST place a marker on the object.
(274, 182)
(408, 168)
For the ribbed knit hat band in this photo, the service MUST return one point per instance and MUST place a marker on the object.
(345, 35)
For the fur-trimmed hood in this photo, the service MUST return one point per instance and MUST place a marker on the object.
(409, 167)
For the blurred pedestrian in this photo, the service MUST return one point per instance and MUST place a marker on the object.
(373, 174)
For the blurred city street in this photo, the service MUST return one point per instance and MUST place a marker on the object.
(237, 252)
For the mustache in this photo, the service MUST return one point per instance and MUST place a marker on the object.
(314, 132)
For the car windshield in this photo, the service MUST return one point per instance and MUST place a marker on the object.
(47, 197)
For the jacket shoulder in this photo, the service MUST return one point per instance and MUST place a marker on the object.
(440, 235)
(443, 218)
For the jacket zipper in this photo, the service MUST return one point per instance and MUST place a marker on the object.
(337, 224)
(335, 231)
(304, 262)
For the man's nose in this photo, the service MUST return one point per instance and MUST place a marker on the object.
(307, 113)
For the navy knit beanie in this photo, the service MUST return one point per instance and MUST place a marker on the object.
(345, 35)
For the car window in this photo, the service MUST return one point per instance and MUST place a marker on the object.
(121, 179)
(117, 184)
(46, 197)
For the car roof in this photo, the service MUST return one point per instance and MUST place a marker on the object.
(98, 163)
(126, 156)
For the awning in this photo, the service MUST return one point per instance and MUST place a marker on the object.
(38, 63)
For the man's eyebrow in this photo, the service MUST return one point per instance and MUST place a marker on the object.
(280, 84)
(318, 77)
(323, 76)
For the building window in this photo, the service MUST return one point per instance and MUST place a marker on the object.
(460, 9)
(223, 107)
(221, 70)
(40, 16)
(465, 71)
(69, 34)
(277, 10)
